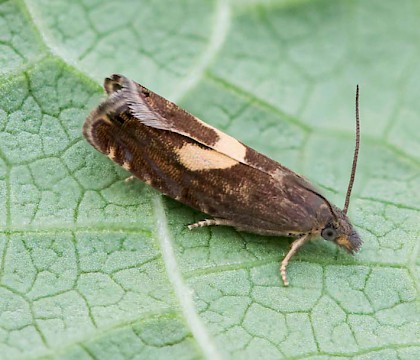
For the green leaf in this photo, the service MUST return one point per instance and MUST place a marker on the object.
(94, 268)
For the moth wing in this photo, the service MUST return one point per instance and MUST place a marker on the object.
(154, 111)
(257, 193)
(259, 204)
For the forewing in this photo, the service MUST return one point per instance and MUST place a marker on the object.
(197, 175)
(155, 111)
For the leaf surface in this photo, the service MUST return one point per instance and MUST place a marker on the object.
(93, 268)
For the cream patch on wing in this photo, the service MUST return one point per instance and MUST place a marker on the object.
(230, 146)
(227, 144)
(196, 158)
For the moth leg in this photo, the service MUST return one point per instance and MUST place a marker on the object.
(130, 178)
(293, 249)
(210, 222)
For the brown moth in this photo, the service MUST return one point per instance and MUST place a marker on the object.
(202, 167)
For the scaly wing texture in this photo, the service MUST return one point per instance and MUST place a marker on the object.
(267, 202)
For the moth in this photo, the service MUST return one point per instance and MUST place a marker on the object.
(208, 170)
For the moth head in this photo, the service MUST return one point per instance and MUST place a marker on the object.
(340, 231)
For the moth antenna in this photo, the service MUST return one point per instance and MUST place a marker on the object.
(356, 154)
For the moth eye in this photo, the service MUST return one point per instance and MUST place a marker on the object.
(329, 233)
